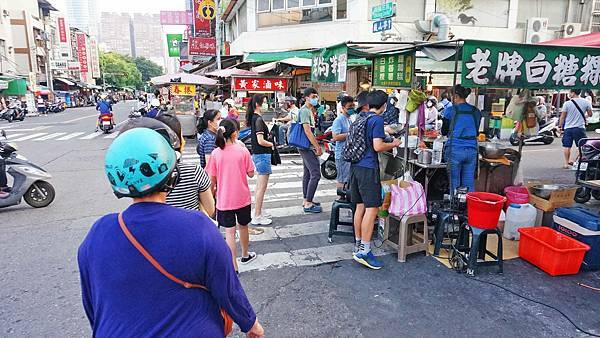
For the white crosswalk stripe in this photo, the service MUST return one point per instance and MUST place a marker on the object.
(306, 235)
(27, 137)
(50, 136)
(13, 136)
(92, 135)
(70, 136)
(112, 135)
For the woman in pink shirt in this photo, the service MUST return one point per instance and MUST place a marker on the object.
(229, 168)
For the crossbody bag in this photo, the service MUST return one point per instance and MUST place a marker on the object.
(227, 320)
(580, 111)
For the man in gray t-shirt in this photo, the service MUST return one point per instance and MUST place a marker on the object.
(573, 121)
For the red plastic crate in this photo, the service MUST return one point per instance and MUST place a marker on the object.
(551, 251)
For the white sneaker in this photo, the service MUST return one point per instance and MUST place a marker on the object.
(261, 220)
(266, 214)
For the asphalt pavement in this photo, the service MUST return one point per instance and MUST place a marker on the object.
(300, 285)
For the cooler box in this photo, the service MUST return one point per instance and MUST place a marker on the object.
(584, 226)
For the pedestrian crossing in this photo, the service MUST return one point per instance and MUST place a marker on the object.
(294, 239)
(33, 136)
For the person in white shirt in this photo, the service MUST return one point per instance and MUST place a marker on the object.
(573, 118)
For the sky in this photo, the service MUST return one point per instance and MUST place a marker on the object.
(131, 6)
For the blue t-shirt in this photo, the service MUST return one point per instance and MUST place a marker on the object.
(465, 126)
(104, 107)
(152, 113)
(374, 130)
(340, 125)
(206, 144)
(124, 295)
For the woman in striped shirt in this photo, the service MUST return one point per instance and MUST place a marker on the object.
(193, 191)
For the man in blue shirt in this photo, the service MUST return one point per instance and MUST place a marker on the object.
(365, 183)
(104, 107)
(461, 125)
(340, 128)
(124, 294)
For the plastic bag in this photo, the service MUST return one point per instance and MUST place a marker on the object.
(408, 198)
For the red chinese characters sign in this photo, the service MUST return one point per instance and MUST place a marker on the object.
(202, 46)
(82, 52)
(62, 30)
(201, 25)
(260, 84)
(183, 89)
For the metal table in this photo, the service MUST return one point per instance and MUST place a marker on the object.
(429, 169)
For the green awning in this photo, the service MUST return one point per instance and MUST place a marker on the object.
(353, 62)
(17, 87)
(277, 56)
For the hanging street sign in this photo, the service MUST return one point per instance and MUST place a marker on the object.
(330, 64)
(208, 9)
(173, 41)
(382, 25)
(509, 65)
(202, 46)
(260, 84)
(386, 10)
(393, 71)
(183, 89)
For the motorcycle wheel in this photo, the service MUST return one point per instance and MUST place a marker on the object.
(596, 194)
(548, 140)
(328, 170)
(583, 195)
(514, 140)
(40, 194)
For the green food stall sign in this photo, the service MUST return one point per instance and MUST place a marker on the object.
(173, 42)
(329, 65)
(386, 10)
(393, 70)
(509, 65)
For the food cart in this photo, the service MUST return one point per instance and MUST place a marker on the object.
(182, 91)
(274, 88)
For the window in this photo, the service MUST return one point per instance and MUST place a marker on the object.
(295, 17)
(308, 3)
(342, 9)
(324, 2)
(278, 5)
(263, 6)
(293, 4)
(554, 10)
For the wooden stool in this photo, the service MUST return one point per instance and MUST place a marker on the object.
(406, 231)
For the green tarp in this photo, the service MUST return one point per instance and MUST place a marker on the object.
(17, 87)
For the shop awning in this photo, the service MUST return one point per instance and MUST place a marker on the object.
(3, 85)
(295, 61)
(589, 40)
(42, 90)
(229, 72)
(16, 87)
(183, 78)
(277, 56)
(65, 81)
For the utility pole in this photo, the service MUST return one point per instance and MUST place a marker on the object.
(49, 80)
(218, 32)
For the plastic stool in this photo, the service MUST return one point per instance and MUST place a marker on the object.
(479, 250)
(405, 244)
(334, 221)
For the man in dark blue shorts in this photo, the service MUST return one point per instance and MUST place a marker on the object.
(573, 118)
(365, 183)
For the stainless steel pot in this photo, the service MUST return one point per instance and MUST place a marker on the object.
(425, 156)
(492, 150)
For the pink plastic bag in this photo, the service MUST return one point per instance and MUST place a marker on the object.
(408, 198)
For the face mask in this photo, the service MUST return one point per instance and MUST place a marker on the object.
(351, 111)
(264, 107)
(429, 104)
(218, 122)
(314, 101)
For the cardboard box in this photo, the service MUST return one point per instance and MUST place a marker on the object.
(558, 199)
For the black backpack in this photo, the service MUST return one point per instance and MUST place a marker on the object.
(356, 143)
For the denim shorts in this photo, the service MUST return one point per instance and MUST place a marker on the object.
(343, 170)
(262, 162)
(572, 135)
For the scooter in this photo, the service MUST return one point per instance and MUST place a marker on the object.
(546, 134)
(328, 168)
(106, 123)
(30, 180)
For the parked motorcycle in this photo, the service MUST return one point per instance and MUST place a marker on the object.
(546, 134)
(30, 180)
(106, 123)
(56, 107)
(328, 168)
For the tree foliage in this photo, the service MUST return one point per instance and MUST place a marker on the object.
(147, 68)
(119, 70)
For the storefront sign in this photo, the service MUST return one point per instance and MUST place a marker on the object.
(382, 25)
(73, 65)
(507, 65)
(173, 41)
(60, 65)
(201, 25)
(393, 70)
(62, 29)
(202, 46)
(94, 59)
(208, 9)
(82, 52)
(184, 62)
(176, 18)
(386, 10)
(183, 89)
(64, 38)
(260, 84)
(330, 64)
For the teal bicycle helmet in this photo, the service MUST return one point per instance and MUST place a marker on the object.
(140, 162)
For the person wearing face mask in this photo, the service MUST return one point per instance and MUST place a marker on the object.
(310, 157)
(431, 113)
(207, 133)
(262, 147)
(340, 128)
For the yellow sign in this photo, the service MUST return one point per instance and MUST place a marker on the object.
(183, 89)
(208, 9)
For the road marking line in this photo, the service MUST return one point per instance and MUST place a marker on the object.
(70, 136)
(295, 211)
(113, 135)
(91, 136)
(11, 136)
(29, 137)
(79, 118)
(47, 137)
(305, 257)
(289, 185)
(297, 196)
